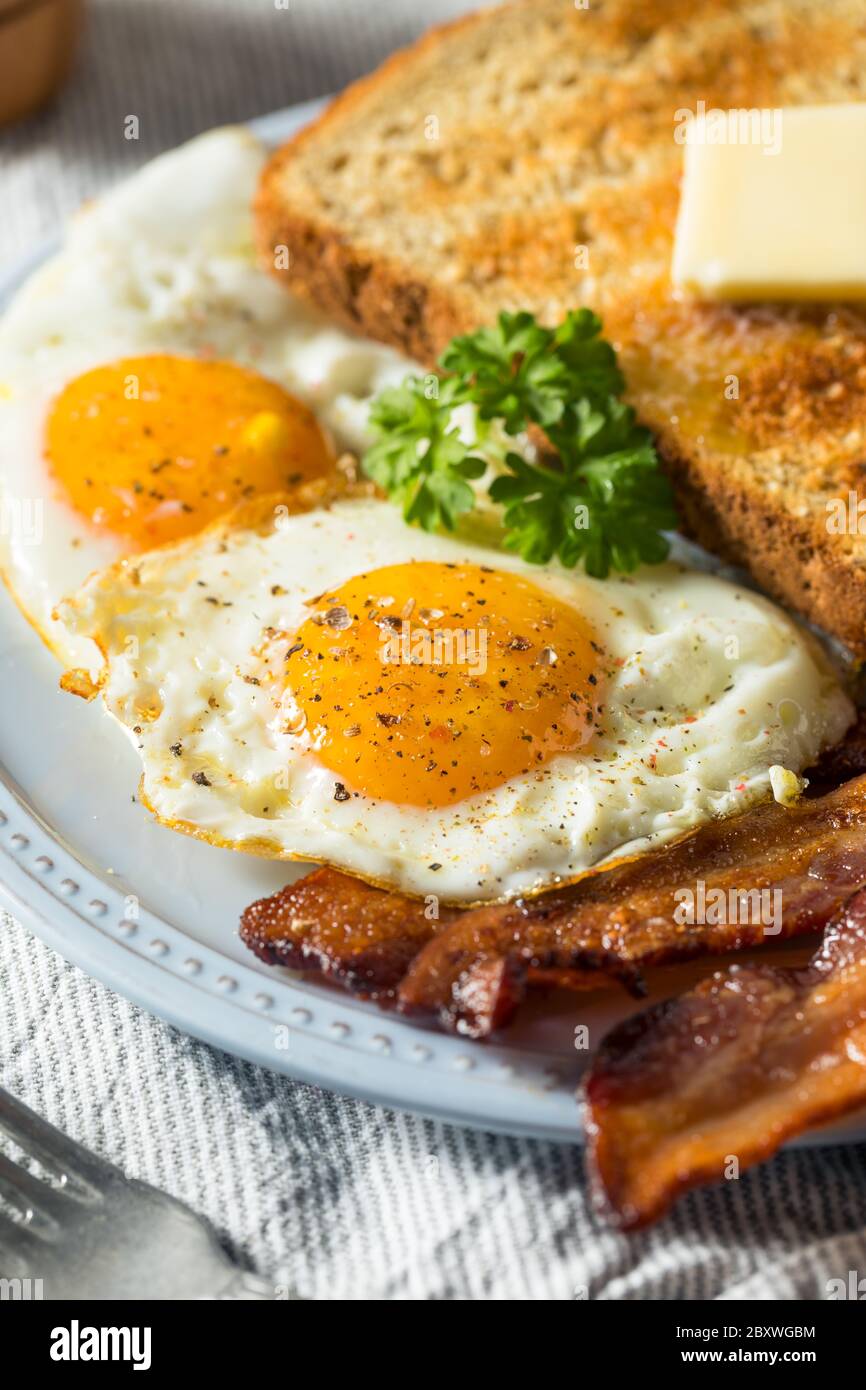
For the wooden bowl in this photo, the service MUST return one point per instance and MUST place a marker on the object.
(38, 39)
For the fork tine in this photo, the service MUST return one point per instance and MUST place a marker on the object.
(42, 1205)
(55, 1151)
(18, 1243)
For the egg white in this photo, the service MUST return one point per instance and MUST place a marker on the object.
(713, 688)
(163, 263)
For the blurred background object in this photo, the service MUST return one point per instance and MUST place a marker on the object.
(38, 40)
(180, 67)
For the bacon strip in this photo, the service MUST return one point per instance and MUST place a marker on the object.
(703, 1086)
(470, 969)
(471, 976)
(360, 937)
(330, 924)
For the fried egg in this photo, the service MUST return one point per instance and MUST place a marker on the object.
(152, 376)
(439, 716)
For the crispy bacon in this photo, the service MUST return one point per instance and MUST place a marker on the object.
(701, 1087)
(470, 969)
(360, 937)
(327, 923)
(471, 976)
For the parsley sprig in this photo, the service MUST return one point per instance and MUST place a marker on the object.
(419, 458)
(601, 499)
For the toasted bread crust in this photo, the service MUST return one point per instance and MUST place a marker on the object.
(755, 474)
(373, 297)
(791, 557)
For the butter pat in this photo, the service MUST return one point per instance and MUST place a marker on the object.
(773, 204)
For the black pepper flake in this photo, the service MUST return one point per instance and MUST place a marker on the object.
(338, 618)
(201, 778)
(434, 867)
(519, 644)
(340, 793)
(389, 720)
(176, 749)
(296, 647)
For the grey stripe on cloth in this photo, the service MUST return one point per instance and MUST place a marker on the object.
(339, 1199)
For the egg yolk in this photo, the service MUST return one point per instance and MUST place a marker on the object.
(427, 683)
(153, 448)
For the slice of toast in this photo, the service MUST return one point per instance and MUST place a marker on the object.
(524, 158)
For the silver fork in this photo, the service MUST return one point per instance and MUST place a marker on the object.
(94, 1234)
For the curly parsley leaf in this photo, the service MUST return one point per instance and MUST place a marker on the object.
(606, 505)
(589, 358)
(603, 501)
(524, 374)
(419, 458)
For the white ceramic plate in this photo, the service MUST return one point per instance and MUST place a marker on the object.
(154, 915)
